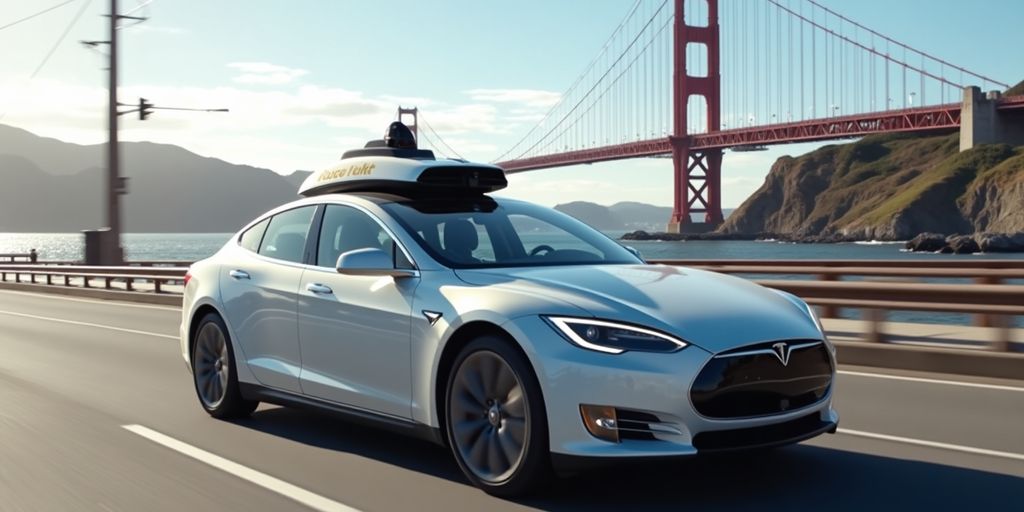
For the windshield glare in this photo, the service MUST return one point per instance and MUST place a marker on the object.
(487, 233)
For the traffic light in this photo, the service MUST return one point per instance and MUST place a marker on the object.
(145, 109)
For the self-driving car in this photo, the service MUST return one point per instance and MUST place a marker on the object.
(400, 292)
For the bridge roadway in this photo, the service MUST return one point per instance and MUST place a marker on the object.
(75, 372)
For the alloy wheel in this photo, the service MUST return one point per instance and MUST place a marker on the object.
(489, 416)
(212, 365)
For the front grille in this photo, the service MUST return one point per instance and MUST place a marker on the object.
(791, 431)
(753, 381)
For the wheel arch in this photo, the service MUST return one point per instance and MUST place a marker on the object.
(193, 324)
(456, 342)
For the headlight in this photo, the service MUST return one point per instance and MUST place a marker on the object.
(814, 316)
(821, 327)
(614, 338)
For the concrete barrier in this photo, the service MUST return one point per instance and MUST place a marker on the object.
(978, 363)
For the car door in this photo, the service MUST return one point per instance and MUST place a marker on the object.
(259, 285)
(354, 331)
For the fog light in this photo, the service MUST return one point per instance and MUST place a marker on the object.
(601, 422)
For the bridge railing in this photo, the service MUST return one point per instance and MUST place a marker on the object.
(989, 297)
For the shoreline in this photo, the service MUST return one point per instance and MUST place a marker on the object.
(976, 243)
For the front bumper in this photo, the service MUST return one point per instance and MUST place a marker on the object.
(646, 384)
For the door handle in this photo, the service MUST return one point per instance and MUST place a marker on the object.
(319, 288)
(239, 274)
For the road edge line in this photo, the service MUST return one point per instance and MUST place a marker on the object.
(270, 483)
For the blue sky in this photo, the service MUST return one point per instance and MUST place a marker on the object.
(306, 79)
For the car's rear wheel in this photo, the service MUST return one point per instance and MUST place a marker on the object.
(213, 371)
(495, 422)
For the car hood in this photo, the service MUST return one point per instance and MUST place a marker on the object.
(713, 311)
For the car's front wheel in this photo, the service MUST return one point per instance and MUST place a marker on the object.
(496, 424)
(213, 371)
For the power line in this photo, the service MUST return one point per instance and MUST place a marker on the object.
(53, 49)
(40, 13)
(67, 30)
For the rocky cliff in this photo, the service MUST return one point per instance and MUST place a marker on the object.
(889, 187)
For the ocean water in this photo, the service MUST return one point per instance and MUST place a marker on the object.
(195, 246)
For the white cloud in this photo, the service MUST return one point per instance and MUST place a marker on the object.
(265, 73)
(529, 97)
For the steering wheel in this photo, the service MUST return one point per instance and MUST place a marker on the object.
(542, 248)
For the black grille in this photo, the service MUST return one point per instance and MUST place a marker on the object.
(635, 424)
(787, 432)
(752, 381)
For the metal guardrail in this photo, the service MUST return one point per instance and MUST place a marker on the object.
(40, 274)
(13, 257)
(992, 302)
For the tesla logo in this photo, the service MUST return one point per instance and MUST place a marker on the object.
(782, 352)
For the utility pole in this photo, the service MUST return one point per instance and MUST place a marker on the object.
(111, 244)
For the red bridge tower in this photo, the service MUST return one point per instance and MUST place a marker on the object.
(697, 173)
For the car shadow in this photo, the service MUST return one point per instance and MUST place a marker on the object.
(792, 478)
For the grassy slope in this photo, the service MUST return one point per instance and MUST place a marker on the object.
(957, 171)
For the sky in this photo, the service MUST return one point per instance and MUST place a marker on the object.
(307, 79)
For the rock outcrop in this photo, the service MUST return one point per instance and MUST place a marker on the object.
(891, 187)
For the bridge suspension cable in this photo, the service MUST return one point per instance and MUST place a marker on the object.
(780, 62)
(448, 150)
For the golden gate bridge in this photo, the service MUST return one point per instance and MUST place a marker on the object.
(691, 78)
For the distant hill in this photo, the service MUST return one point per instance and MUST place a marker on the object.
(625, 215)
(889, 187)
(47, 185)
(54, 186)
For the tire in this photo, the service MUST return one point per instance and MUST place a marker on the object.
(496, 423)
(214, 373)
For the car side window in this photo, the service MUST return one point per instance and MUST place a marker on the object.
(251, 238)
(346, 229)
(285, 238)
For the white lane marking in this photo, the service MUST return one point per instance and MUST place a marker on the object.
(933, 444)
(298, 494)
(87, 324)
(931, 381)
(89, 301)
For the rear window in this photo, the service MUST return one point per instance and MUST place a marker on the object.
(251, 238)
(285, 238)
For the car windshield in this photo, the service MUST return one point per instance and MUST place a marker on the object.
(483, 232)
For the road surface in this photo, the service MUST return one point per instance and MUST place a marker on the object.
(97, 412)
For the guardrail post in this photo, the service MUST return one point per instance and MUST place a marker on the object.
(156, 285)
(128, 284)
(32, 278)
(828, 311)
(17, 277)
(874, 318)
(107, 281)
(49, 279)
(984, 319)
(85, 281)
(67, 280)
(1001, 343)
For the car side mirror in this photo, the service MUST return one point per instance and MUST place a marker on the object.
(369, 262)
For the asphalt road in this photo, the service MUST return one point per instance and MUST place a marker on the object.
(97, 412)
